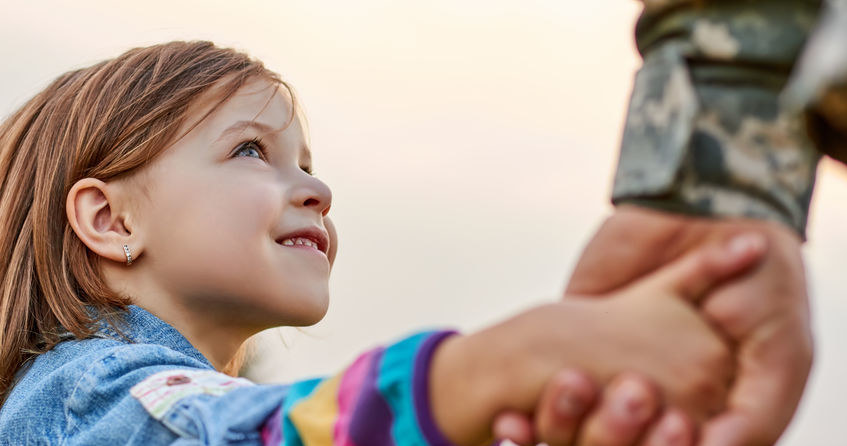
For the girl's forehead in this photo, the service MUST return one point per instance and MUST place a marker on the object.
(259, 104)
(259, 100)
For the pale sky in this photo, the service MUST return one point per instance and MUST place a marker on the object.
(469, 145)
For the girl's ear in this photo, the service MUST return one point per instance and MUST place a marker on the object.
(91, 212)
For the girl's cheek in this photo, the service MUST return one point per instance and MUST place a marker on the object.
(213, 206)
(255, 208)
(262, 200)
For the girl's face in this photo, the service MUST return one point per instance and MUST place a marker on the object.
(233, 222)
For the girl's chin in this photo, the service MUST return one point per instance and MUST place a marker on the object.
(304, 320)
(304, 313)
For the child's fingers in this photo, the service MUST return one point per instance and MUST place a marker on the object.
(563, 405)
(697, 272)
(629, 404)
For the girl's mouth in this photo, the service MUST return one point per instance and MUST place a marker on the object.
(306, 238)
(300, 241)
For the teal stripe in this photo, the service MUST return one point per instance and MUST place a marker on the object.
(395, 384)
(297, 391)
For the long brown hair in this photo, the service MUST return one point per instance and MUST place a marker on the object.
(103, 121)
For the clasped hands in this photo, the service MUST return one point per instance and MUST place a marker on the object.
(760, 314)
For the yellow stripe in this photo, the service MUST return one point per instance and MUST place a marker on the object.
(314, 417)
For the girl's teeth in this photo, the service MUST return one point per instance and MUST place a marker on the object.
(300, 241)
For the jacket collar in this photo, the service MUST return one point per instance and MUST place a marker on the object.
(139, 326)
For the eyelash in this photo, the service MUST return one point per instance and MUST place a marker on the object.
(260, 147)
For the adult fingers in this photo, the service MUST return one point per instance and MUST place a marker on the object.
(628, 406)
(564, 403)
(674, 428)
(513, 426)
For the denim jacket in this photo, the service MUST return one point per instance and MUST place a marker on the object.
(151, 386)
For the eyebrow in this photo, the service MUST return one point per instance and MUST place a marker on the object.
(241, 126)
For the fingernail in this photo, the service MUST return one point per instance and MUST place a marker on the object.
(673, 430)
(630, 400)
(569, 404)
(746, 242)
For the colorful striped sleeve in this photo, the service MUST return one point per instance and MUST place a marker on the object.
(381, 399)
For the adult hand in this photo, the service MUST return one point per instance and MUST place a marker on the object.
(572, 411)
(766, 314)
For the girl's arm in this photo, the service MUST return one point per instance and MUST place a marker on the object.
(149, 394)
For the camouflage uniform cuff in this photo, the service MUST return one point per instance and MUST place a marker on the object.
(705, 133)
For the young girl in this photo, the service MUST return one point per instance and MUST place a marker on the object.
(159, 208)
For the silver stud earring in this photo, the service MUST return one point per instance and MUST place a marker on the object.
(128, 255)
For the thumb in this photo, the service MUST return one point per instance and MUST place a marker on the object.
(699, 271)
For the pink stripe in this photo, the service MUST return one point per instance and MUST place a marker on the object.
(348, 393)
(272, 429)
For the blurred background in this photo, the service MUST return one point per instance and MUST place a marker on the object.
(470, 147)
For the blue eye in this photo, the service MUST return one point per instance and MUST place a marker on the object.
(254, 147)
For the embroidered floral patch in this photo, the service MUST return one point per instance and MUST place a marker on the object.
(160, 391)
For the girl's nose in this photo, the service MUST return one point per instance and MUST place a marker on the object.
(314, 193)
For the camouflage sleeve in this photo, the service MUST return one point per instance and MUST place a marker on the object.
(706, 131)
